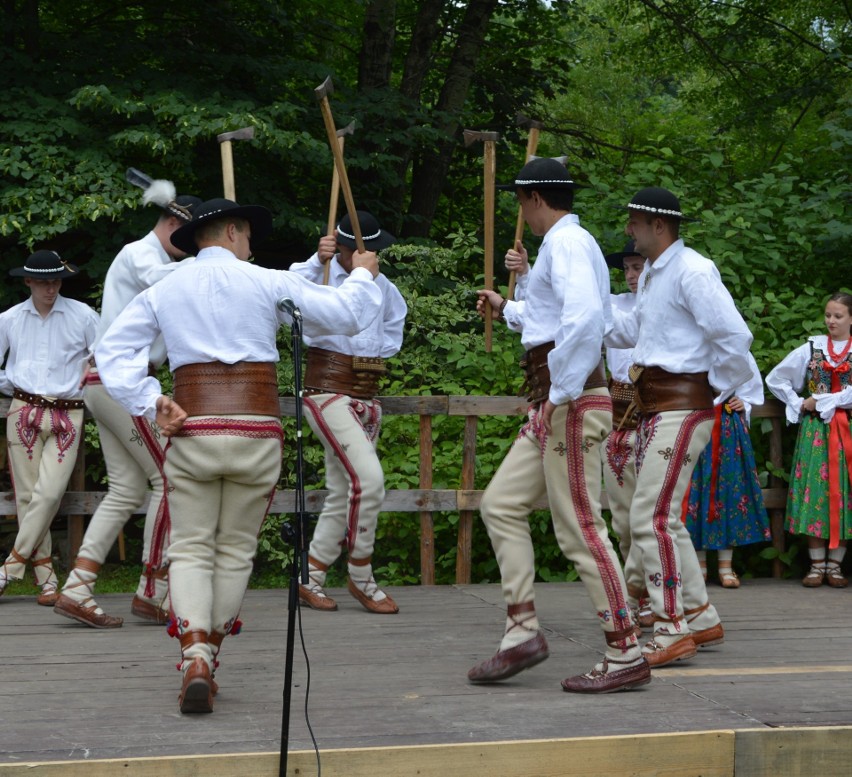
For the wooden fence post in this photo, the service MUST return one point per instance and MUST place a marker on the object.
(427, 523)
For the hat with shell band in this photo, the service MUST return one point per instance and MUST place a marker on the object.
(541, 173)
(46, 265)
(375, 238)
(616, 260)
(257, 216)
(658, 202)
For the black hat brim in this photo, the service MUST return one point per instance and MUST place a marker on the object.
(617, 260)
(661, 215)
(257, 216)
(23, 272)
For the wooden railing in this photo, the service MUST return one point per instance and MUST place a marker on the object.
(425, 500)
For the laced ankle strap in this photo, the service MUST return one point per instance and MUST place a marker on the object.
(87, 565)
(17, 556)
(614, 637)
(193, 637)
(692, 614)
(520, 614)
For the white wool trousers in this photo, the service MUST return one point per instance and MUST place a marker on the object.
(565, 466)
(348, 429)
(222, 472)
(43, 444)
(667, 446)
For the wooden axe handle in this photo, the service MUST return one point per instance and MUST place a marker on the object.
(228, 170)
(332, 209)
(340, 166)
(490, 174)
(532, 146)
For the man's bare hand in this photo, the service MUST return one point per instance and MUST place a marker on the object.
(368, 260)
(170, 416)
(327, 248)
(487, 297)
(517, 259)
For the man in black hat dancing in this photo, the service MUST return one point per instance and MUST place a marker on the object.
(562, 320)
(690, 343)
(131, 445)
(219, 319)
(341, 384)
(46, 341)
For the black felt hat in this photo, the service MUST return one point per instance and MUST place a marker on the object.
(375, 238)
(46, 265)
(541, 173)
(212, 210)
(617, 260)
(657, 200)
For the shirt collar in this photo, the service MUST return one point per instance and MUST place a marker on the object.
(216, 252)
(664, 258)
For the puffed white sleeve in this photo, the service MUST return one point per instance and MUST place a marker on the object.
(787, 379)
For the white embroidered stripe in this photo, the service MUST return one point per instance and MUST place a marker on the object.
(527, 182)
(48, 270)
(363, 237)
(634, 206)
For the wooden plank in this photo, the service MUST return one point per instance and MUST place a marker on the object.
(797, 752)
(482, 405)
(464, 541)
(427, 523)
(415, 405)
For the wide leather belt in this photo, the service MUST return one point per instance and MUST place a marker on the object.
(658, 391)
(214, 388)
(536, 385)
(329, 372)
(624, 412)
(37, 400)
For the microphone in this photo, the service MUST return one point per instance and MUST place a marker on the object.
(286, 305)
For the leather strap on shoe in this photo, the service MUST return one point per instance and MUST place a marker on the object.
(193, 637)
(692, 614)
(17, 556)
(318, 564)
(358, 562)
(614, 637)
(42, 562)
(522, 609)
(87, 565)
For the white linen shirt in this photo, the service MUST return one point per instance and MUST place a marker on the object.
(787, 379)
(136, 266)
(383, 337)
(566, 301)
(619, 360)
(685, 320)
(221, 309)
(751, 392)
(46, 356)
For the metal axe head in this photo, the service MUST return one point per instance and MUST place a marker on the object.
(563, 160)
(324, 89)
(138, 178)
(246, 133)
(526, 121)
(347, 130)
(471, 136)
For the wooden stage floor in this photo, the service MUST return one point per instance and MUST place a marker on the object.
(73, 694)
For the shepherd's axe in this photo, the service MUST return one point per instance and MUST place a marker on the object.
(532, 146)
(225, 139)
(335, 192)
(138, 178)
(489, 139)
(322, 92)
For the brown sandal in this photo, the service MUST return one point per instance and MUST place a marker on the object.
(815, 576)
(833, 576)
(728, 578)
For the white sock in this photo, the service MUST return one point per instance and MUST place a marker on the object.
(817, 557)
(362, 576)
(838, 554)
(518, 634)
(633, 655)
(80, 586)
(727, 554)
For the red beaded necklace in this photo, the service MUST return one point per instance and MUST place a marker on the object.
(838, 357)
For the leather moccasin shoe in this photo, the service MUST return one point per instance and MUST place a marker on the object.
(48, 596)
(316, 601)
(148, 610)
(715, 635)
(657, 655)
(386, 606)
(610, 679)
(196, 695)
(66, 606)
(506, 663)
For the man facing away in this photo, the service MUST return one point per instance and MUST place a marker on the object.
(219, 319)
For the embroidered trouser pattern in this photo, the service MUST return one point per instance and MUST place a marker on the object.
(222, 473)
(349, 430)
(126, 444)
(566, 466)
(619, 475)
(43, 445)
(667, 447)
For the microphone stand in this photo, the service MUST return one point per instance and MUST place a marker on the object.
(296, 533)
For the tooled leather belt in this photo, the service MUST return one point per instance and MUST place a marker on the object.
(37, 400)
(330, 372)
(658, 390)
(214, 388)
(536, 386)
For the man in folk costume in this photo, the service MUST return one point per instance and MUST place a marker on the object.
(619, 459)
(689, 341)
(131, 445)
(219, 320)
(562, 320)
(45, 341)
(341, 384)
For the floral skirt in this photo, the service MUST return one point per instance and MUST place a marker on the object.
(807, 499)
(740, 517)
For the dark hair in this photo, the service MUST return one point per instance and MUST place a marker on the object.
(843, 298)
(558, 199)
(670, 221)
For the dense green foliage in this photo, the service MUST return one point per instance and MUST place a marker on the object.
(743, 108)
